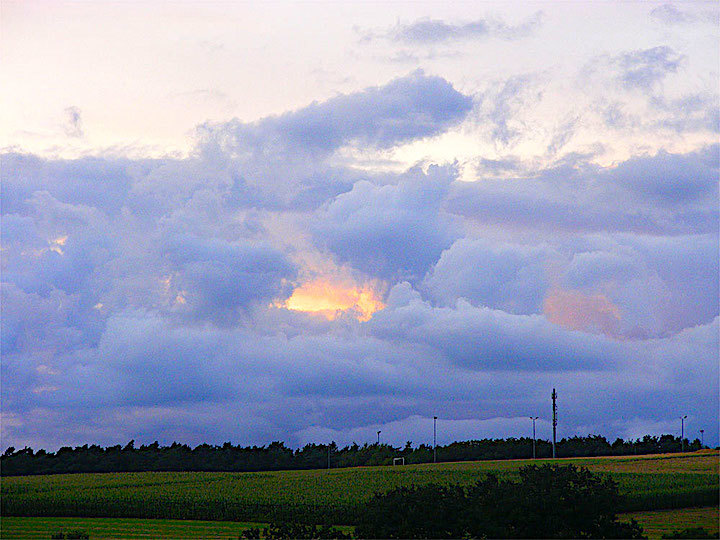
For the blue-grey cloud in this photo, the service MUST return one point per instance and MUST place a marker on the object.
(671, 15)
(393, 231)
(667, 193)
(142, 298)
(430, 31)
(407, 108)
(497, 275)
(73, 122)
(218, 277)
(644, 69)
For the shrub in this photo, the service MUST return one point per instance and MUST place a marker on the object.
(548, 502)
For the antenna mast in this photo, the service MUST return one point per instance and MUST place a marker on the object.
(554, 400)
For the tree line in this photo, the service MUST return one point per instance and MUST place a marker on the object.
(277, 456)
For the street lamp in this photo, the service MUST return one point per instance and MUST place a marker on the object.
(434, 439)
(379, 432)
(682, 433)
(533, 418)
(702, 438)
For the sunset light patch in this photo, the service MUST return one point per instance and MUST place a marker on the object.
(578, 311)
(328, 299)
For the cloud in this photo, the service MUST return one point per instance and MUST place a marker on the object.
(486, 339)
(665, 193)
(148, 298)
(392, 230)
(498, 107)
(406, 108)
(217, 277)
(644, 69)
(498, 275)
(431, 31)
(73, 122)
(295, 148)
(671, 15)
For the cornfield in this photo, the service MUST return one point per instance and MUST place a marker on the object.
(327, 496)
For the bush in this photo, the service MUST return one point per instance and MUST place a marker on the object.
(548, 502)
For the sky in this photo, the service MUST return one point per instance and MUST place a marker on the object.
(310, 221)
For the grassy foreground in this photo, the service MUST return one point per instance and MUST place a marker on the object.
(334, 496)
(655, 524)
(44, 527)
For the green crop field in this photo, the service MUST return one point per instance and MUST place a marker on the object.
(646, 483)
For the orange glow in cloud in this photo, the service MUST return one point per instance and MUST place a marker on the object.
(327, 298)
(578, 311)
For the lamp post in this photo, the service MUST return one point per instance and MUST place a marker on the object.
(378, 433)
(434, 439)
(533, 418)
(682, 433)
(702, 438)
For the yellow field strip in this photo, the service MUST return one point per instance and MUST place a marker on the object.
(660, 522)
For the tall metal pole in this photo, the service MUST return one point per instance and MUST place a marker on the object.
(702, 438)
(554, 409)
(682, 433)
(379, 432)
(533, 418)
(434, 439)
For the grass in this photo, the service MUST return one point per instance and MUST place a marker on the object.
(655, 523)
(660, 522)
(44, 527)
(647, 483)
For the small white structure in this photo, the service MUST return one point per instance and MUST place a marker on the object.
(398, 461)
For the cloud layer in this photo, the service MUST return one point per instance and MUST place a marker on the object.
(145, 298)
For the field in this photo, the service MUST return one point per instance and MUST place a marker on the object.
(655, 524)
(43, 527)
(660, 522)
(646, 483)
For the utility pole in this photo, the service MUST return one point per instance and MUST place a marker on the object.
(434, 439)
(682, 433)
(533, 418)
(554, 400)
(379, 432)
(702, 438)
(328, 457)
